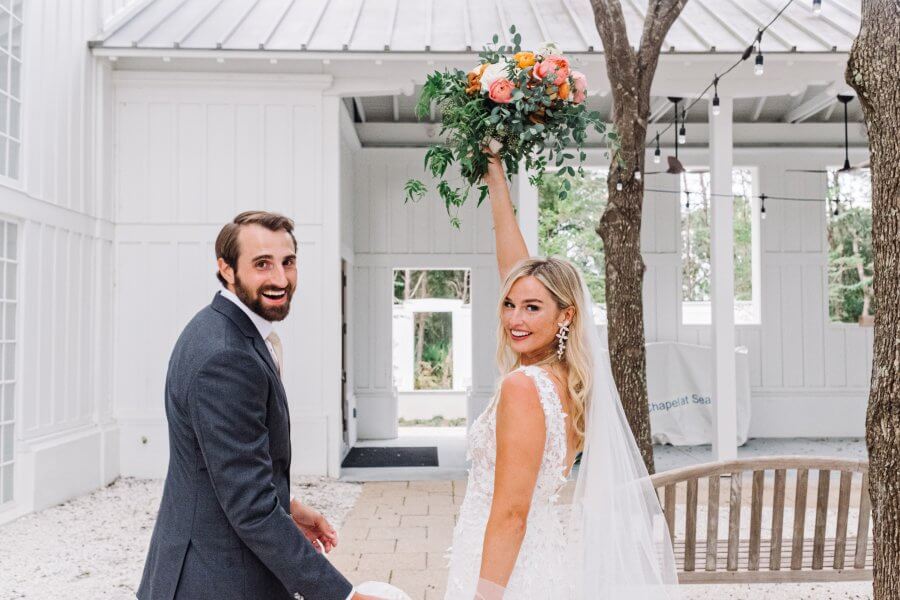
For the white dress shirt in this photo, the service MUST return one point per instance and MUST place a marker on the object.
(265, 328)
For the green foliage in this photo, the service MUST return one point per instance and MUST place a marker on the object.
(696, 241)
(569, 210)
(850, 258)
(535, 128)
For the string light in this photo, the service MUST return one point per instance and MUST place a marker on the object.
(817, 7)
(762, 206)
(682, 133)
(656, 153)
(715, 101)
(758, 67)
(687, 200)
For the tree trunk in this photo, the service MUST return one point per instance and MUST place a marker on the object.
(630, 74)
(872, 71)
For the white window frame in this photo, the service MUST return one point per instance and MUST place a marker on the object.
(745, 313)
(10, 252)
(12, 10)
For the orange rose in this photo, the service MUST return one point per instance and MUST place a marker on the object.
(563, 91)
(473, 79)
(524, 59)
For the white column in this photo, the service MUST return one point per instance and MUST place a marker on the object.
(722, 283)
(331, 278)
(527, 205)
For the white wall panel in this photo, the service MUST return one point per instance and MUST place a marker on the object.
(794, 353)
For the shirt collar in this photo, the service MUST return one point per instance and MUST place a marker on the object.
(264, 327)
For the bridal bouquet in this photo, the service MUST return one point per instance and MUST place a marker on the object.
(523, 105)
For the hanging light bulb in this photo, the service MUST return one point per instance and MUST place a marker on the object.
(715, 102)
(687, 200)
(656, 153)
(817, 7)
(682, 135)
(762, 206)
(837, 207)
(758, 67)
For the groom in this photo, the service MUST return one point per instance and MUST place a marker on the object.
(227, 525)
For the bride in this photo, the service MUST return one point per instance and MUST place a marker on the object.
(514, 539)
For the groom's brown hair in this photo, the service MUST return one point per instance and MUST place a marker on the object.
(227, 246)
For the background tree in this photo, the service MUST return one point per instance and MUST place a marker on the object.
(872, 70)
(630, 73)
(566, 225)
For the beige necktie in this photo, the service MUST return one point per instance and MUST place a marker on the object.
(276, 345)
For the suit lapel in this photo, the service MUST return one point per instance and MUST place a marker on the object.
(237, 316)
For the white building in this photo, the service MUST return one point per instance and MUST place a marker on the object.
(134, 130)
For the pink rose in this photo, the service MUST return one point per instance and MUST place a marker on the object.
(553, 65)
(501, 90)
(579, 82)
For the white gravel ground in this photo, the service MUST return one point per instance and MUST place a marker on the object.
(94, 547)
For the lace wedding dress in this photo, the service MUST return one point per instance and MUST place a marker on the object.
(539, 573)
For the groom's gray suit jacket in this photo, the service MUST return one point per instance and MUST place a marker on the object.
(224, 530)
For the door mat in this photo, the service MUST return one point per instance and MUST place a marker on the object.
(412, 456)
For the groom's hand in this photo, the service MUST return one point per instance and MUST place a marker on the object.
(314, 526)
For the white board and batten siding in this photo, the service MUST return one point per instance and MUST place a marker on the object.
(390, 233)
(65, 437)
(809, 377)
(192, 152)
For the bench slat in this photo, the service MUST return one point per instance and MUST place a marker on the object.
(799, 518)
(712, 523)
(840, 541)
(777, 519)
(756, 518)
(821, 517)
(670, 510)
(690, 526)
(734, 520)
(862, 531)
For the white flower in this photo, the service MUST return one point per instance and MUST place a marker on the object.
(492, 73)
(548, 48)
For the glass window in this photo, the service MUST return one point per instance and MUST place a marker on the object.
(696, 244)
(10, 88)
(567, 227)
(850, 259)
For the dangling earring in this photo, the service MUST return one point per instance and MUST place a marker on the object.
(562, 336)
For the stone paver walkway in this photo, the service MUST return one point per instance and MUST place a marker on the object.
(399, 532)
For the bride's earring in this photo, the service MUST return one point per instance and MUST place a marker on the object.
(562, 336)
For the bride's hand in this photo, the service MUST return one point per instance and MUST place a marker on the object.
(495, 174)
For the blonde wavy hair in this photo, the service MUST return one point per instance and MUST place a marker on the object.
(563, 281)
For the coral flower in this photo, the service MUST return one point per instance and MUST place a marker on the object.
(555, 65)
(579, 86)
(501, 91)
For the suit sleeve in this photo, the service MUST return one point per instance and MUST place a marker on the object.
(227, 400)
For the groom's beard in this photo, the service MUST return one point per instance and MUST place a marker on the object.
(254, 300)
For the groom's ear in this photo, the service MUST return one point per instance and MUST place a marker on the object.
(226, 271)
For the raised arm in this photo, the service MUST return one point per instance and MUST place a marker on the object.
(521, 432)
(511, 246)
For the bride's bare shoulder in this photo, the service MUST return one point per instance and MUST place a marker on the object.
(519, 388)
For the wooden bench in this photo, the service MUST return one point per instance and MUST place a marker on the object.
(712, 546)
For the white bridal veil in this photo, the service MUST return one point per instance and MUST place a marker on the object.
(620, 542)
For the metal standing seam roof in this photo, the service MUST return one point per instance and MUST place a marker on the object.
(459, 26)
